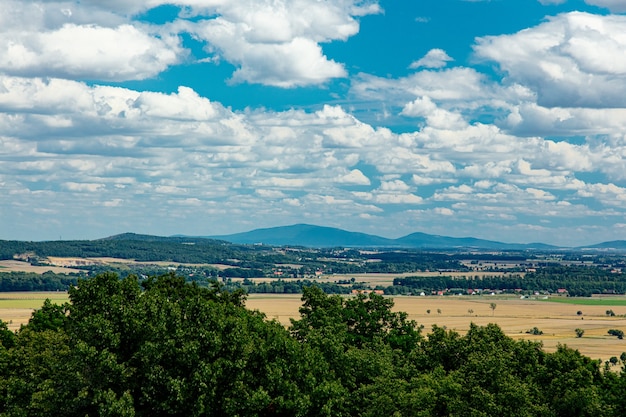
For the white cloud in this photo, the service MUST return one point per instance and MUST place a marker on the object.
(124, 52)
(540, 194)
(525, 169)
(185, 105)
(435, 117)
(609, 194)
(394, 186)
(444, 211)
(355, 177)
(435, 58)
(278, 43)
(571, 60)
(385, 198)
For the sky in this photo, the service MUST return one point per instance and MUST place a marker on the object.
(501, 119)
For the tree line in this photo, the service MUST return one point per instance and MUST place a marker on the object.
(577, 280)
(164, 347)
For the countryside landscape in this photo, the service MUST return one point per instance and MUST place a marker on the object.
(553, 301)
(312, 208)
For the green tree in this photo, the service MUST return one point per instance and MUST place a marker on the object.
(493, 306)
(7, 337)
(579, 332)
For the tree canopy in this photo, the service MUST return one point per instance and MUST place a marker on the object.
(164, 347)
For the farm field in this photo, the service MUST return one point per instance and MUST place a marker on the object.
(557, 320)
(17, 307)
(21, 266)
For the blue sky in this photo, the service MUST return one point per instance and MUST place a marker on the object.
(501, 120)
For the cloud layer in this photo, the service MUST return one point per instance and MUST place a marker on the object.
(532, 150)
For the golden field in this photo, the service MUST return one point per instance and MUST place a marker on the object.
(558, 321)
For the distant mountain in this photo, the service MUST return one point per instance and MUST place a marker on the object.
(318, 236)
(423, 240)
(306, 235)
(619, 245)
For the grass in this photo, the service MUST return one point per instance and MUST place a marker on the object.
(29, 300)
(608, 302)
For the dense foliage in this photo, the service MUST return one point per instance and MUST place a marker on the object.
(30, 281)
(163, 347)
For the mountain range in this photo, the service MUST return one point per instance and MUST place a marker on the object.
(318, 236)
(306, 235)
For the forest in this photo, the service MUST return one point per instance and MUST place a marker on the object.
(165, 347)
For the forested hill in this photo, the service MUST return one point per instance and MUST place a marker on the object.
(132, 246)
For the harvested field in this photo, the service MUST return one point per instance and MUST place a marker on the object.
(558, 321)
(21, 266)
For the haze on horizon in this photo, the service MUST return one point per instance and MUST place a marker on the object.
(498, 120)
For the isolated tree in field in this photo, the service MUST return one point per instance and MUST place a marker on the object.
(438, 311)
(493, 306)
(579, 332)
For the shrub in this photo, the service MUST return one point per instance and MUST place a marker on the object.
(534, 331)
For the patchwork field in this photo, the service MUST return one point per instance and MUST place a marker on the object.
(557, 319)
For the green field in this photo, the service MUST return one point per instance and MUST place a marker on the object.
(32, 300)
(609, 302)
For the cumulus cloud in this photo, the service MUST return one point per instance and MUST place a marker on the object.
(279, 43)
(435, 116)
(355, 177)
(53, 41)
(435, 58)
(572, 60)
